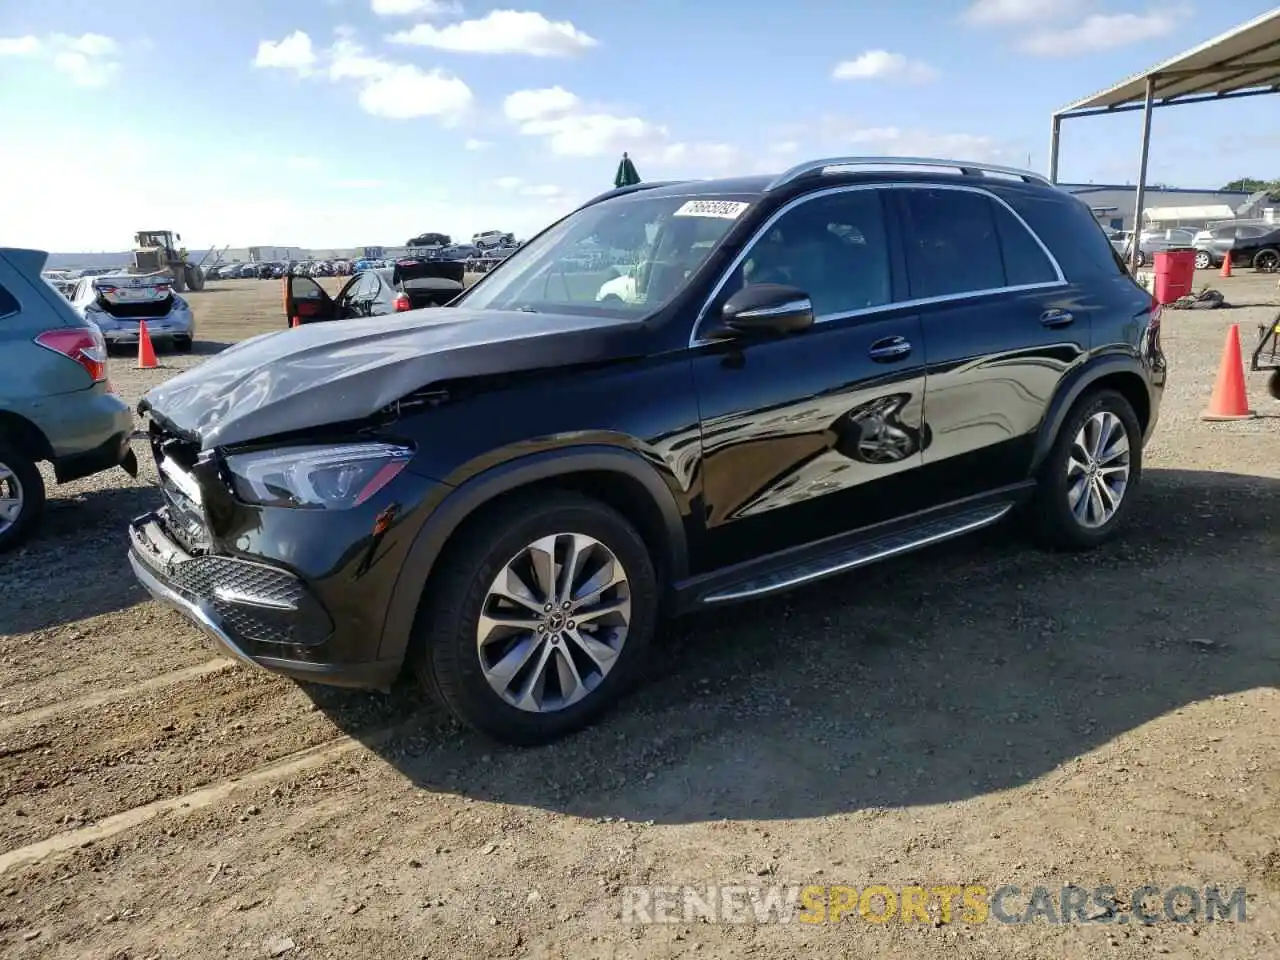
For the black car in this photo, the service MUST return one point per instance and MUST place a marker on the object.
(409, 285)
(775, 380)
(1262, 252)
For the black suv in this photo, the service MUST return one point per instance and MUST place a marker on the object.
(766, 382)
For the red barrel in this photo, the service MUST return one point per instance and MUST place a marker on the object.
(1175, 274)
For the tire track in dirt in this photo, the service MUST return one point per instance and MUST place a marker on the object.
(184, 804)
(79, 768)
(17, 721)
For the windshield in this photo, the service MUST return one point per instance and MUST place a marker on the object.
(625, 257)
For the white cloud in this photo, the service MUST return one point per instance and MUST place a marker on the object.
(294, 52)
(1104, 31)
(883, 65)
(399, 91)
(359, 184)
(20, 46)
(524, 105)
(1017, 11)
(473, 144)
(502, 31)
(87, 60)
(421, 8)
(518, 185)
(572, 128)
(897, 142)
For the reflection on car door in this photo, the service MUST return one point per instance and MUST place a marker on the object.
(815, 433)
(1002, 326)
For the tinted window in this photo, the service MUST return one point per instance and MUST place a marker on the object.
(1024, 259)
(834, 248)
(1249, 233)
(1068, 228)
(8, 303)
(951, 242)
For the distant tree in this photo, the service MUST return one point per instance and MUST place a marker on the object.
(1253, 185)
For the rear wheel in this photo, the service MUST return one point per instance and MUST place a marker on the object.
(21, 496)
(1088, 481)
(540, 619)
(1266, 261)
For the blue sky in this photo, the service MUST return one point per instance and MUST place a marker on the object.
(344, 122)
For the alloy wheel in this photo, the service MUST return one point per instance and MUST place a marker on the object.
(1098, 469)
(553, 622)
(1267, 261)
(1203, 262)
(12, 498)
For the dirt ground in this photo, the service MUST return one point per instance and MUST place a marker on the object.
(983, 713)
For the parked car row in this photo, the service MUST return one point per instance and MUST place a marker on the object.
(1251, 244)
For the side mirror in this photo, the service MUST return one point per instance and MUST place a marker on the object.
(768, 308)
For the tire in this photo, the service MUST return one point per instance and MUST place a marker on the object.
(1050, 515)
(19, 474)
(179, 282)
(447, 652)
(195, 279)
(1203, 260)
(1266, 261)
(1273, 385)
(182, 344)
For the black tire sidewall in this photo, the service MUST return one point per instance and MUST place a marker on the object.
(28, 475)
(451, 649)
(1053, 512)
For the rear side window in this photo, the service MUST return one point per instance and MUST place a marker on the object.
(951, 241)
(8, 302)
(1024, 259)
(1071, 233)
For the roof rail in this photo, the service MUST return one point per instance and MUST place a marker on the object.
(966, 167)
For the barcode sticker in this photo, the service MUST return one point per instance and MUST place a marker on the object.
(720, 209)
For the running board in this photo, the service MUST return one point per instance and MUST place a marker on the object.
(859, 554)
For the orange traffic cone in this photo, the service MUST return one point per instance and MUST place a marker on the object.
(1226, 265)
(1229, 400)
(146, 352)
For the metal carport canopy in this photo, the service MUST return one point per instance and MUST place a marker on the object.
(1244, 62)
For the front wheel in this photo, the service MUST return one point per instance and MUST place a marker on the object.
(540, 619)
(1088, 481)
(21, 496)
(1203, 260)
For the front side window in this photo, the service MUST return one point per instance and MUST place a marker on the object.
(833, 247)
(624, 257)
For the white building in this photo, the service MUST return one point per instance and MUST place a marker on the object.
(1166, 206)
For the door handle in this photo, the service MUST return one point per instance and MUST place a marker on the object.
(1057, 318)
(890, 348)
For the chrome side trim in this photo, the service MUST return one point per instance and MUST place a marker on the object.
(964, 166)
(996, 513)
(782, 309)
(763, 229)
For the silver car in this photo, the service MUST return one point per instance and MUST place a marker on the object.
(117, 304)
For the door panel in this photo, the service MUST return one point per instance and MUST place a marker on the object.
(1002, 332)
(809, 435)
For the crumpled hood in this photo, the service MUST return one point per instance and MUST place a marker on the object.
(346, 370)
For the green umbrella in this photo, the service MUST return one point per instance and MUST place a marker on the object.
(626, 175)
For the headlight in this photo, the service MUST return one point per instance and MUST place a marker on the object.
(331, 477)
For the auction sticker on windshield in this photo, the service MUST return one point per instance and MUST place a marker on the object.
(720, 209)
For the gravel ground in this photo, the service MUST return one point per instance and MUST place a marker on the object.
(981, 713)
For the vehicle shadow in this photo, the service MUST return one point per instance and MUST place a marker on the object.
(207, 348)
(974, 667)
(74, 566)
